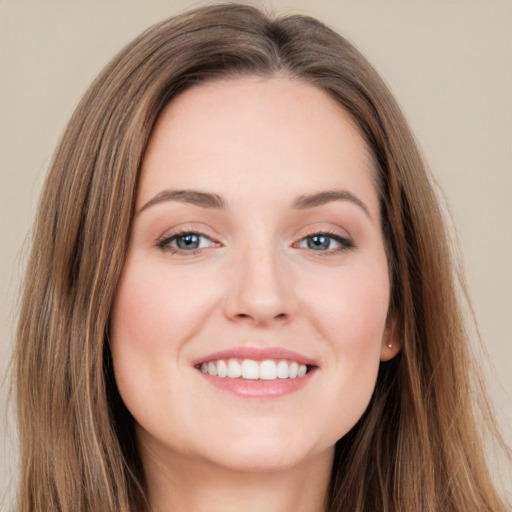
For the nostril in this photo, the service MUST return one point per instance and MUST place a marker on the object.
(261, 319)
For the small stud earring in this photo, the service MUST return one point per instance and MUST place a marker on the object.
(390, 345)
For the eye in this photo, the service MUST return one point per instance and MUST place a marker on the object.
(183, 242)
(325, 242)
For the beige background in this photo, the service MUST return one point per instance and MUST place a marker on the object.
(448, 62)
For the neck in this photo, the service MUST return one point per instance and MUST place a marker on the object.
(177, 483)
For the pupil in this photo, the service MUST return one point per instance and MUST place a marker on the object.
(318, 242)
(189, 241)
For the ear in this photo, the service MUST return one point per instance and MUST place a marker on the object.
(390, 340)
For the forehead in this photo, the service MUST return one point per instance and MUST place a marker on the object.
(269, 133)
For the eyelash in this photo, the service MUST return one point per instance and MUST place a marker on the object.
(164, 243)
(346, 244)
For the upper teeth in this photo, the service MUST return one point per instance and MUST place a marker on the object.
(254, 370)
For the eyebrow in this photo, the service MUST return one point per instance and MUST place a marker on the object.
(214, 201)
(321, 198)
(195, 197)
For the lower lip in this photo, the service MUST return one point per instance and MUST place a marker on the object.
(259, 388)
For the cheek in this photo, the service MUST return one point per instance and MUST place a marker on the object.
(351, 324)
(154, 311)
(151, 320)
(137, 320)
(351, 311)
(134, 339)
(154, 316)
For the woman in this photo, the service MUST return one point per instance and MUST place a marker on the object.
(240, 293)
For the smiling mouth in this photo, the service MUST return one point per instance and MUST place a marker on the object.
(251, 369)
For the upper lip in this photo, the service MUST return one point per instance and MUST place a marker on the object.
(257, 354)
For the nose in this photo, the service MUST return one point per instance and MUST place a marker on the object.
(261, 290)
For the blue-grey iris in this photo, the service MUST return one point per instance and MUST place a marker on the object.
(188, 241)
(318, 242)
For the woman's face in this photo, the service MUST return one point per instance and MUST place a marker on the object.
(257, 249)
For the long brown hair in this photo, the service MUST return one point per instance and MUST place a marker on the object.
(416, 448)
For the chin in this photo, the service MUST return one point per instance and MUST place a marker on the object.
(261, 456)
(268, 446)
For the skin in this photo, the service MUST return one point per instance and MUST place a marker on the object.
(259, 144)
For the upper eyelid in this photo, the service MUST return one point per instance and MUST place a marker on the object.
(166, 243)
(177, 234)
(330, 231)
(336, 233)
(345, 241)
